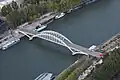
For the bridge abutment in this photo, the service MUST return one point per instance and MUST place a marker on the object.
(29, 36)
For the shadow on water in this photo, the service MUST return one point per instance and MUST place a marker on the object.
(52, 47)
(30, 58)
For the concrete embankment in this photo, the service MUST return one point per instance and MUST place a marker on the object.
(64, 74)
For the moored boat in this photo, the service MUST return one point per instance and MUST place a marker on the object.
(10, 43)
(40, 27)
(59, 15)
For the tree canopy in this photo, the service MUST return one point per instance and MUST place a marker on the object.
(32, 9)
(109, 68)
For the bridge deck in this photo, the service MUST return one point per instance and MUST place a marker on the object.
(85, 50)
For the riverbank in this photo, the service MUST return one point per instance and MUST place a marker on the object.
(13, 34)
(92, 25)
(109, 67)
(106, 48)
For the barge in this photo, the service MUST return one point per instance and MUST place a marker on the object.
(9, 43)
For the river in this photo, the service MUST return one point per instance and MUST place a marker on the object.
(91, 25)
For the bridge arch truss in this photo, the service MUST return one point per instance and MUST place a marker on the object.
(55, 37)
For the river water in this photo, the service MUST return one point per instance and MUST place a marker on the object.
(90, 25)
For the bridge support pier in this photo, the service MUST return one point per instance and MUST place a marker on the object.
(30, 38)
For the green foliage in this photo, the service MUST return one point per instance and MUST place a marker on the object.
(63, 75)
(75, 74)
(6, 10)
(72, 71)
(52, 6)
(14, 5)
(109, 68)
(16, 20)
(75, 2)
(32, 9)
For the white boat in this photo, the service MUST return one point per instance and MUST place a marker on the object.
(45, 76)
(69, 11)
(92, 48)
(40, 27)
(60, 15)
(10, 43)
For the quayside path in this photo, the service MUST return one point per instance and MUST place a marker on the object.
(60, 39)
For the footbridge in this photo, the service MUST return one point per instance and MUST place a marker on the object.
(58, 38)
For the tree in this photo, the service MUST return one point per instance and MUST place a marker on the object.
(63, 6)
(23, 15)
(6, 10)
(16, 20)
(52, 6)
(75, 74)
(109, 68)
(14, 5)
(75, 2)
(71, 69)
